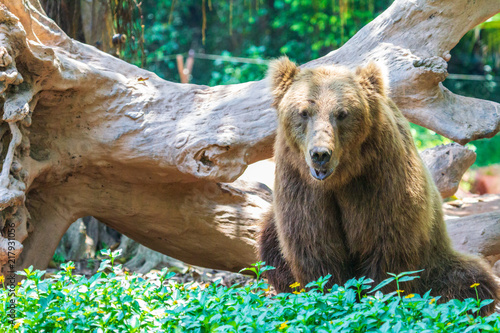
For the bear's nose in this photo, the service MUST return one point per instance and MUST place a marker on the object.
(320, 155)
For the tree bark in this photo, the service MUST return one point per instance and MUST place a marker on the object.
(477, 234)
(447, 165)
(85, 133)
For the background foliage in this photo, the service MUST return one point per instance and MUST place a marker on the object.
(303, 30)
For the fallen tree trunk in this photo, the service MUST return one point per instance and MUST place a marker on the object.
(447, 165)
(88, 134)
(477, 234)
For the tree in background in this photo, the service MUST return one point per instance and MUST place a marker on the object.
(303, 30)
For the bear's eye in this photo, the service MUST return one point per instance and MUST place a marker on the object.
(342, 115)
(304, 114)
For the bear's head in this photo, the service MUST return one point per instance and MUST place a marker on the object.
(324, 113)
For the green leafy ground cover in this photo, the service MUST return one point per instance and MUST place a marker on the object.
(115, 301)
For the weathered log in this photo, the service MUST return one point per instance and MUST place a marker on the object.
(93, 135)
(476, 234)
(447, 164)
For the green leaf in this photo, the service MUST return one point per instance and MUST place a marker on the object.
(383, 284)
(485, 302)
(44, 302)
(409, 273)
(251, 269)
(408, 278)
(368, 281)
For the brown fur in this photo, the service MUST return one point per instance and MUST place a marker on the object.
(378, 212)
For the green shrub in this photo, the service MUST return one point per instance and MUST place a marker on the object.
(425, 138)
(115, 301)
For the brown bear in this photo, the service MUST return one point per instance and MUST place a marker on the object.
(352, 196)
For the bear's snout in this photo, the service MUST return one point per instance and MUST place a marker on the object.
(321, 162)
(320, 155)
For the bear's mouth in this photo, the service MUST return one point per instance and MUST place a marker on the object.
(320, 174)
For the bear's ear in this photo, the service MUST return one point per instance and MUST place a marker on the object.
(281, 74)
(372, 78)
